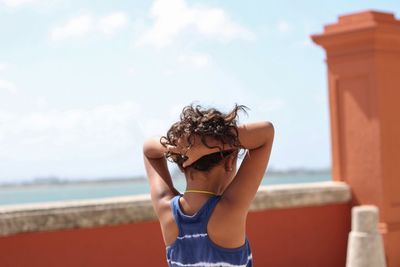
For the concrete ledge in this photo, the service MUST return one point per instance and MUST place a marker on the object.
(132, 209)
(301, 195)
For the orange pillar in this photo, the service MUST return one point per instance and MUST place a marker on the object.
(363, 58)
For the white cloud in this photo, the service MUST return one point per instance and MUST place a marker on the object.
(3, 67)
(169, 72)
(40, 101)
(216, 23)
(109, 24)
(18, 3)
(76, 133)
(75, 27)
(132, 71)
(283, 26)
(85, 24)
(153, 127)
(8, 86)
(196, 60)
(174, 17)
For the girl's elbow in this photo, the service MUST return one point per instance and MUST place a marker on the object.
(270, 130)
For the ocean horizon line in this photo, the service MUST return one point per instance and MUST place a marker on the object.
(56, 180)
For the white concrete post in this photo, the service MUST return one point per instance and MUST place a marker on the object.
(365, 246)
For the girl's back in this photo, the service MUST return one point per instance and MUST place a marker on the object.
(206, 225)
(194, 241)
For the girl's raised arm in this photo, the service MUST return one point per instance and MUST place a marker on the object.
(257, 138)
(161, 186)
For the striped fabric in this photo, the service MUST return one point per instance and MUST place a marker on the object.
(193, 247)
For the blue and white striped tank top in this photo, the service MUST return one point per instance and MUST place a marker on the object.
(193, 247)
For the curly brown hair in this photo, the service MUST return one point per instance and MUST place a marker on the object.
(204, 122)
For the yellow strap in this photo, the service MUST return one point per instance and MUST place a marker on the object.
(200, 191)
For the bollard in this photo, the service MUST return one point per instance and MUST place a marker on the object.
(365, 246)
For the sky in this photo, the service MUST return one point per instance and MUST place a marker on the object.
(84, 83)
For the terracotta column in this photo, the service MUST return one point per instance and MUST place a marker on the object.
(363, 58)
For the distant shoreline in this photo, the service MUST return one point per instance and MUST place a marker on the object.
(55, 181)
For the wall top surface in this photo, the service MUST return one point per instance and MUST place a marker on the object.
(131, 209)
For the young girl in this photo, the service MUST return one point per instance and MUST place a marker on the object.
(206, 226)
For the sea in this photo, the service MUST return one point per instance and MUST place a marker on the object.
(54, 192)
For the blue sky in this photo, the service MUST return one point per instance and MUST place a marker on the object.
(83, 83)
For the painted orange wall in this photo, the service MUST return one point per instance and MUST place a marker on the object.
(363, 58)
(312, 236)
(302, 237)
